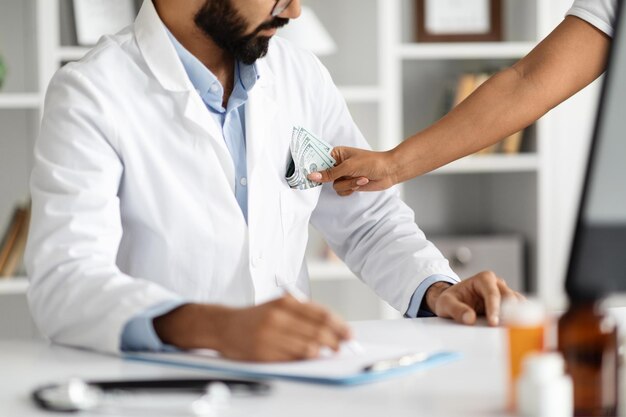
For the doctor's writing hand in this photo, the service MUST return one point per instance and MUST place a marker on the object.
(281, 330)
(359, 170)
(478, 295)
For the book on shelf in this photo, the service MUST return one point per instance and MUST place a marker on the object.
(466, 84)
(512, 144)
(14, 242)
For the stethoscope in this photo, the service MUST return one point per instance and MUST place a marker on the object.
(197, 397)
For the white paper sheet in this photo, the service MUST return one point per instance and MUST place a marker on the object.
(331, 366)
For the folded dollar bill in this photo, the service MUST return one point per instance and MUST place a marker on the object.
(308, 154)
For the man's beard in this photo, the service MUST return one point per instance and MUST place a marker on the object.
(219, 20)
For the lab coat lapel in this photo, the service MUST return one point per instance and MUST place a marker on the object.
(160, 56)
(260, 119)
(195, 111)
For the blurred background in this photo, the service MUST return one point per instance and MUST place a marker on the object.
(508, 208)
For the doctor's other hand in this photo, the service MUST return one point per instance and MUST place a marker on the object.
(359, 170)
(281, 330)
(481, 294)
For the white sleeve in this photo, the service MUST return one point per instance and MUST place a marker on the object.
(77, 295)
(373, 232)
(600, 13)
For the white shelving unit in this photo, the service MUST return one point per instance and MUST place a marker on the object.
(17, 101)
(491, 164)
(13, 286)
(454, 51)
(392, 85)
(484, 195)
(20, 104)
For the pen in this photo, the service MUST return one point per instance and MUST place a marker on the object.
(352, 344)
(398, 362)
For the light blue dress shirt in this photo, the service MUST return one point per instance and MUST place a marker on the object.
(139, 333)
(232, 119)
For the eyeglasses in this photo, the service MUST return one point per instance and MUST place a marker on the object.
(280, 7)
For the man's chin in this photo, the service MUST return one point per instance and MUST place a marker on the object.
(256, 50)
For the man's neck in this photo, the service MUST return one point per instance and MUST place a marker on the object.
(218, 61)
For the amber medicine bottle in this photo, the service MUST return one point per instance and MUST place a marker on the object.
(587, 339)
(525, 323)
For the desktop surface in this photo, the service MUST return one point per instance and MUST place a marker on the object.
(474, 385)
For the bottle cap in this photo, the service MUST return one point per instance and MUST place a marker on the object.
(544, 390)
(543, 366)
(525, 313)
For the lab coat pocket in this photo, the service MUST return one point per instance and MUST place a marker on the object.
(296, 207)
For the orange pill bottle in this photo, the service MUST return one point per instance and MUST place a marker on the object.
(525, 323)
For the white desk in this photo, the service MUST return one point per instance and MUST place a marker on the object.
(472, 386)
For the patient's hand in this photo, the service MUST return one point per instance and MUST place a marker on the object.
(462, 302)
(359, 170)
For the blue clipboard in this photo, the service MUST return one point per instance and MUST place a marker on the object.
(328, 371)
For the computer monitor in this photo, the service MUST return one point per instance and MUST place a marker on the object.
(597, 264)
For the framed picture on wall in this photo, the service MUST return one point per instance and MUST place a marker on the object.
(94, 18)
(459, 20)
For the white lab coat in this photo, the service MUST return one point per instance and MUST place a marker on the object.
(133, 193)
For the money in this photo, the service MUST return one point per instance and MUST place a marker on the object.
(308, 154)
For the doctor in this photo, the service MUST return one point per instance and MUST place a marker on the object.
(161, 213)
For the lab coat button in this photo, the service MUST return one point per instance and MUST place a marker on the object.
(243, 181)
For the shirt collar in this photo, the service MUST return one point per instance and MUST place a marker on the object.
(204, 81)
